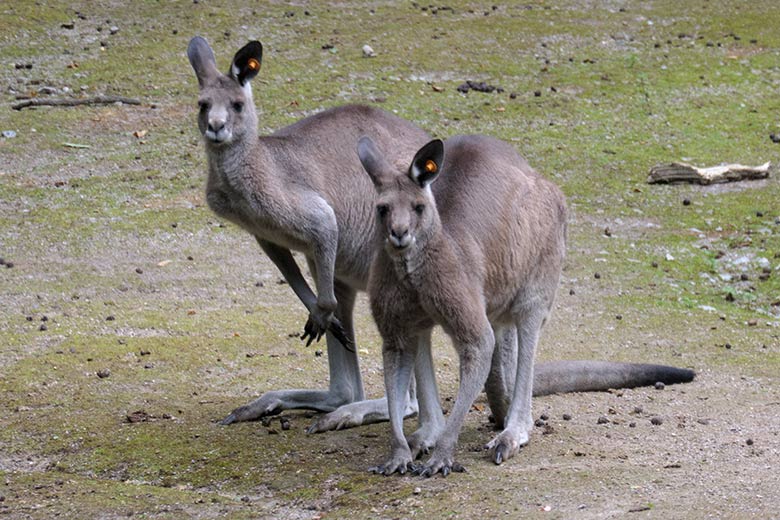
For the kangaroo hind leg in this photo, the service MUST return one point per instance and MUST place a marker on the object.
(345, 387)
(518, 422)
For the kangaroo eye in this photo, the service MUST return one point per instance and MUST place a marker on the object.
(382, 210)
(419, 208)
(238, 106)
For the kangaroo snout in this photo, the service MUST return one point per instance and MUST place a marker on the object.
(217, 131)
(400, 238)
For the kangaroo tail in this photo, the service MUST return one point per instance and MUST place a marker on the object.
(559, 377)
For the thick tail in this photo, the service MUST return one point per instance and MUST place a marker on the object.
(559, 377)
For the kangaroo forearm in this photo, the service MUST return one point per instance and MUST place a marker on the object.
(284, 261)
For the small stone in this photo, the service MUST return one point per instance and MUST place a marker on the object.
(632, 425)
(114, 29)
(659, 385)
(602, 420)
(566, 417)
(9, 134)
(43, 328)
(638, 409)
(417, 491)
(103, 373)
(544, 417)
(749, 442)
(139, 270)
(285, 424)
(539, 423)
(597, 276)
(368, 52)
(110, 318)
(686, 202)
(571, 292)
(657, 421)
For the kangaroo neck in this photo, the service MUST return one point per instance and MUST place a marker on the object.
(229, 163)
(430, 251)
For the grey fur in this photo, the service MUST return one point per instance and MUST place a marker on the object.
(480, 253)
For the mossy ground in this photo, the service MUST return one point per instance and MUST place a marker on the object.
(113, 246)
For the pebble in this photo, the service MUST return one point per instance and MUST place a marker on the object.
(103, 373)
(749, 442)
(657, 421)
(9, 134)
(659, 385)
(602, 420)
(566, 417)
(285, 424)
(368, 52)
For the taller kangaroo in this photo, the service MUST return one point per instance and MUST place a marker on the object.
(300, 189)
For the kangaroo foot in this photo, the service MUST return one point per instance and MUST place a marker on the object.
(506, 444)
(357, 414)
(423, 441)
(400, 462)
(445, 466)
(254, 411)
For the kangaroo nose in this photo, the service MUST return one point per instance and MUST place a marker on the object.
(399, 234)
(400, 237)
(216, 126)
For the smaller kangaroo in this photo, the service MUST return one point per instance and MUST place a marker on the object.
(482, 257)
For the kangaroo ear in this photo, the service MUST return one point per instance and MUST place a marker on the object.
(202, 60)
(372, 160)
(246, 62)
(427, 163)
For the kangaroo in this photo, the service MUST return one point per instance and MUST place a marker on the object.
(300, 189)
(303, 189)
(479, 253)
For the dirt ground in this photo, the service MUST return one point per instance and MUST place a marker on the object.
(132, 319)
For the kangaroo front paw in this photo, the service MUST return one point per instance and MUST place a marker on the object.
(505, 445)
(321, 321)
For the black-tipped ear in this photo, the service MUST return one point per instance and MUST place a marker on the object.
(427, 163)
(246, 62)
(202, 59)
(372, 160)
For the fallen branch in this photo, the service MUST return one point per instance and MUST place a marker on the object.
(72, 102)
(681, 172)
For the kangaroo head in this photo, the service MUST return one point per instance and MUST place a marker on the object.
(405, 209)
(227, 111)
